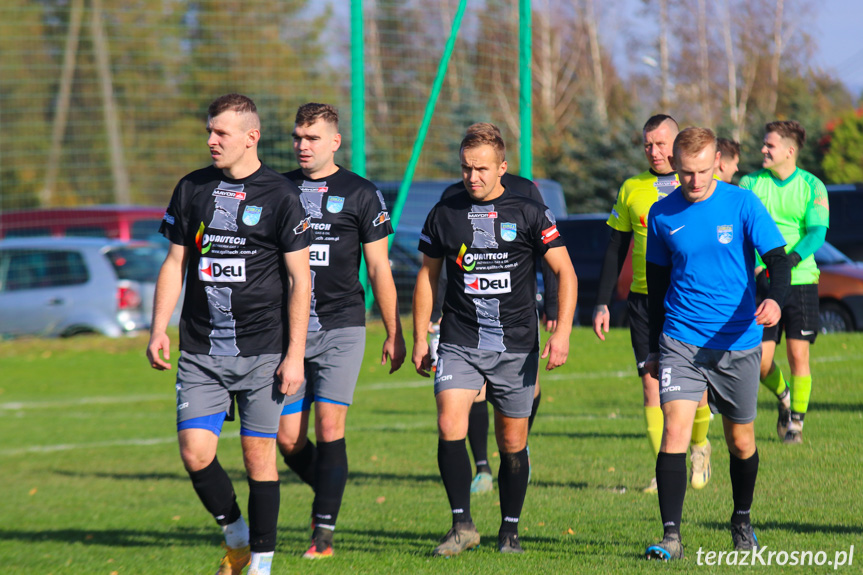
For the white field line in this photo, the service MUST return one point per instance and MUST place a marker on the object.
(97, 444)
(107, 400)
(391, 385)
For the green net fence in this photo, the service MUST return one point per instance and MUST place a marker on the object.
(103, 101)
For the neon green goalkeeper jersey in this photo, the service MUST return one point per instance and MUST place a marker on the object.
(796, 203)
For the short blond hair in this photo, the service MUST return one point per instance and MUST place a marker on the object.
(691, 141)
(485, 138)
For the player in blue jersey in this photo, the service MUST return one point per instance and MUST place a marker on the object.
(705, 328)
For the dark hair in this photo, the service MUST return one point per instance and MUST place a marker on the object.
(692, 141)
(483, 127)
(790, 129)
(728, 148)
(655, 121)
(233, 102)
(485, 138)
(308, 114)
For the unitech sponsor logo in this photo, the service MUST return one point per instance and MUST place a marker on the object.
(467, 261)
(319, 255)
(481, 215)
(235, 240)
(222, 270)
(229, 194)
(487, 283)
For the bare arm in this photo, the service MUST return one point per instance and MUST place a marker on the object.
(291, 371)
(557, 347)
(384, 288)
(425, 293)
(168, 287)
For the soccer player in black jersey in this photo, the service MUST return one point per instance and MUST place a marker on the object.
(237, 233)
(477, 431)
(489, 239)
(346, 213)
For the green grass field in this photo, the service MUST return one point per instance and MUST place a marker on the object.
(92, 482)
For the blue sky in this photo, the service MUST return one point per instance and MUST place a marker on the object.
(840, 41)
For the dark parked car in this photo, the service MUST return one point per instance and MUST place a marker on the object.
(840, 290)
(845, 231)
(586, 237)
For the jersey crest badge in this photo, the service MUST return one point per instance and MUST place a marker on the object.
(725, 234)
(252, 215)
(508, 231)
(335, 204)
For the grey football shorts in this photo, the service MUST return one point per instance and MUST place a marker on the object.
(206, 383)
(511, 376)
(730, 377)
(333, 361)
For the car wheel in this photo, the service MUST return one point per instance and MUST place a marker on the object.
(834, 318)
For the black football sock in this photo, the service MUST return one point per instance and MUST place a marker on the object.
(454, 465)
(331, 476)
(512, 481)
(216, 492)
(743, 475)
(263, 515)
(477, 434)
(671, 485)
(533, 410)
(303, 462)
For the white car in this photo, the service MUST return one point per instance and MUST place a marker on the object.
(66, 286)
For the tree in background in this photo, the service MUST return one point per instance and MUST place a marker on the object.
(843, 160)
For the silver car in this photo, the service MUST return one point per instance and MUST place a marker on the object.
(67, 286)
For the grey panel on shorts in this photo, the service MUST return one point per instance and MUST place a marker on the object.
(730, 377)
(511, 376)
(205, 384)
(333, 361)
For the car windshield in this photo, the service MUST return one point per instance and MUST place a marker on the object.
(137, 263)
(827, 254)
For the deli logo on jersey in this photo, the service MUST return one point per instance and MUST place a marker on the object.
(252, 215)
(725, 234)
(550, 234)
(319, 255)
(168, 218)
(481, 215)
(508, 231)
(222, 270)
(487, 283)
(335, 204)
(229, 194)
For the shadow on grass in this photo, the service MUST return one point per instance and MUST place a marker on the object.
(815, 406)
(362, 477)
(422, 544)
(793, 527)
(588, 435)
(117, 537)
(234, 474)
